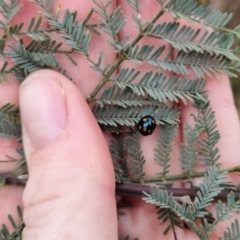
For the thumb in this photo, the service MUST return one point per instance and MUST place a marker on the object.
(70, 191)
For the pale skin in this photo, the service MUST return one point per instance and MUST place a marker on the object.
(70, 193)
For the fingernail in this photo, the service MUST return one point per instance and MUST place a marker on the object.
(43, 109)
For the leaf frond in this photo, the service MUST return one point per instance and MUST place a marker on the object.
(224, 211)
(232, 233)
(164, 148)
(8, 11)
(162, 199)
(21, 166)
(134, 4)
(10, 112)
(31, 61)
(18, 228)
(10, 129)
(114, 115)
(135, 159)
(161, 88)
(189, 149)
(112, 24)
(193, 12)
(208, 152)
(123, 98)
(97, 66)
(202, 64)
(44, 46)
(15, 30)
(5, 74)
(35, 32)
(165, 215)
(144, 53)
(184, 38)
(205, 64)
(74, 33)
(208, 189)
(118, 155)
(46, 4)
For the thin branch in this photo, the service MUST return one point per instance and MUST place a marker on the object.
(121, 58)
(182, 176)
(136, 190)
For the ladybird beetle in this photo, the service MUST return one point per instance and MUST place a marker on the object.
(146, 125)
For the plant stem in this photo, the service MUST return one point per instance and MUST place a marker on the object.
(181, 176)
(8, 180)
(131, 189)
(137, 190)
(104, 80)
(142, 33)
(121, 58)
(88, 17)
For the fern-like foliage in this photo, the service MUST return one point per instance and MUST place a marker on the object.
(208, 151)
(5, 74)
(16, 234)
(191, 11)
(10, 129)
(164, 148)
(112, 24)
(202, 64)
(208, 189)
(10, 112)
(134, 4)
(10, 126)
(161, 198)
(184, 39)
(127, 156)
(114, 115)
(189, 150)
(160, 87)
(224, 211)
(35, 32)
(97, 66)
(35, 56)
(233, 232)
(74, 33)
(164, 215)
(118, 155)
(21, 166)
(167, 204)
(46, 4)
(123, 98)
(135, 158)
(31, 61)
(44, 46)
(8, 10)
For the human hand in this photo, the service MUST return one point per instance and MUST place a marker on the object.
(70, 191)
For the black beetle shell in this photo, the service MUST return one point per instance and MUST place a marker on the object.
(146, 125)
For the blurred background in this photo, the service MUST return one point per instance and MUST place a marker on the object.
(231, 6)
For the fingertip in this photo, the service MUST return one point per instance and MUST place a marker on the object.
(79, 134)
